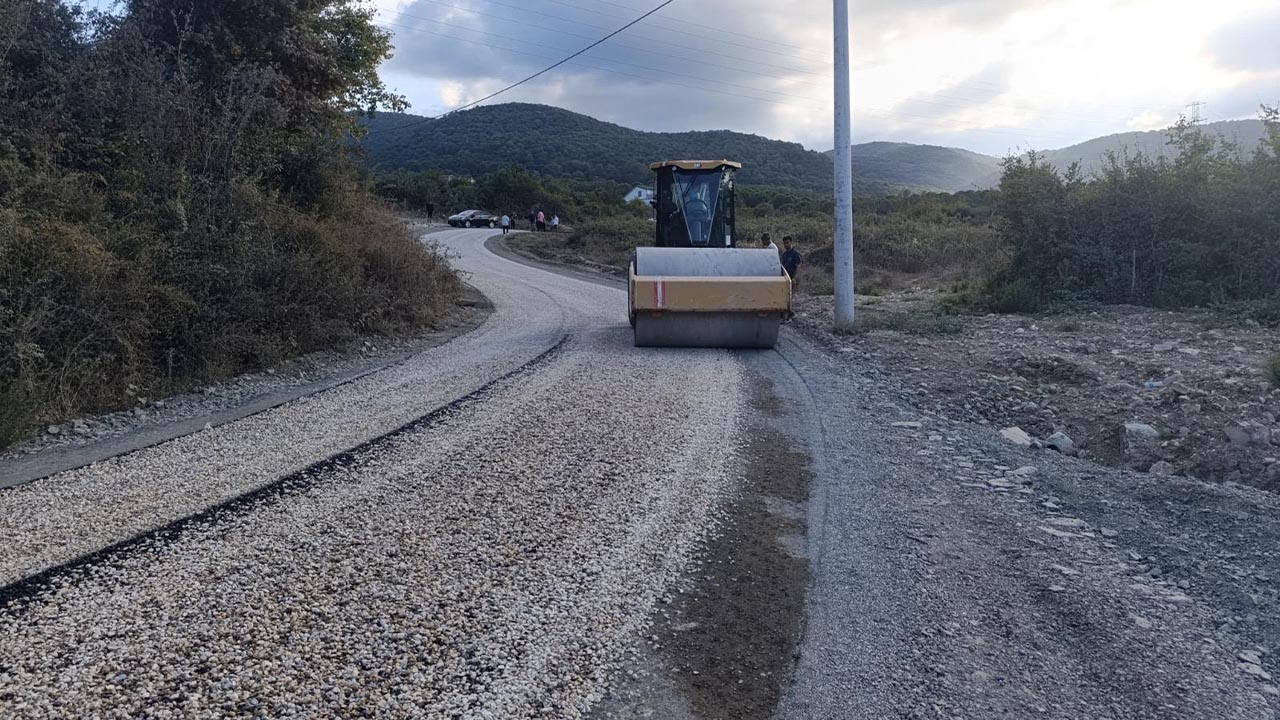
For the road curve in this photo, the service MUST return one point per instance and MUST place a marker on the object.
(479, 531)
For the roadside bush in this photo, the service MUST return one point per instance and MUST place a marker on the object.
(1201, 229)
(177, 202)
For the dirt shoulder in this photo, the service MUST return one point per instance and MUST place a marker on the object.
(1174, 393)
(957, 574)
(723, 639)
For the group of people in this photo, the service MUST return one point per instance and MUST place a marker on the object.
(790, 258)
(537, 222)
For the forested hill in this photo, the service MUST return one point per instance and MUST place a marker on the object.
(1245, 135)
(925, 167)
(564, 144)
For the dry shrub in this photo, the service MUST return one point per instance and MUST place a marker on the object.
(87, 312)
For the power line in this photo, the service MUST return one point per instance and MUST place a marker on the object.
(662, 71)
(887, 113)
(547, 69)
(614, 71)
(939, 99)
(928, 122)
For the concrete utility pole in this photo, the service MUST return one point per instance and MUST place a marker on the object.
(844, 174)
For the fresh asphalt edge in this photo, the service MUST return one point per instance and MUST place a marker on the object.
(21, 594)
(20, 471)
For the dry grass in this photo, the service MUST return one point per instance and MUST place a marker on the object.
(891, 253)
(913, 322)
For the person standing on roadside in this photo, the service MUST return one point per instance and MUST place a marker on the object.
(767, 242)
(791, 262)
(431, 211)
(506, 223)
(533, 220)
(555, 223)
(542, 221)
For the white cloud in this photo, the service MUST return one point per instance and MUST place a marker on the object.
(992, 75)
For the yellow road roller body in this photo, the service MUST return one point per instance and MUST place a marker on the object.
(696, 288)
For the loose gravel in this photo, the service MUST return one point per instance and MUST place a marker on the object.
(62, 517)
(496, 562)
(495, 565)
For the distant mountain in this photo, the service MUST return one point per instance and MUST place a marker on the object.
(1091, 154)
(930, 167)
(925, 167)
(564, 144)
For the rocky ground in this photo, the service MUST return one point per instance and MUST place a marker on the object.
(1173, 393)
(961, 575)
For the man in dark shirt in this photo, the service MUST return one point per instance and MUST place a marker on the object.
(791, 262)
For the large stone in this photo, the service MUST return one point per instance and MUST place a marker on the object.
(1162, 468)
(1017, 436)
(1061, 442)
(1141, 434)
(1245, 434)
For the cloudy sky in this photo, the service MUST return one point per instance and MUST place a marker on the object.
(989, 75)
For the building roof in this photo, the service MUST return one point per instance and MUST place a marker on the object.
(696, 164)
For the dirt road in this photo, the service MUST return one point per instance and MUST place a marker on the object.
(539, 520)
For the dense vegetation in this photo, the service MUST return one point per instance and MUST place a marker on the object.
(177, 202)
(561, 144)
(1200, 228)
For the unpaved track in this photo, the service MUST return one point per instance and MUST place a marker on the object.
(492, 559)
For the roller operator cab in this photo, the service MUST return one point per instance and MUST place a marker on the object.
(695, 287)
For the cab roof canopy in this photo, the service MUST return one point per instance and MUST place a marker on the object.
(696, 164)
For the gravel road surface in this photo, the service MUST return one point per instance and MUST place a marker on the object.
(539, 520)
(500, 517)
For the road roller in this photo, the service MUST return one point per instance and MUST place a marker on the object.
(695, 287)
